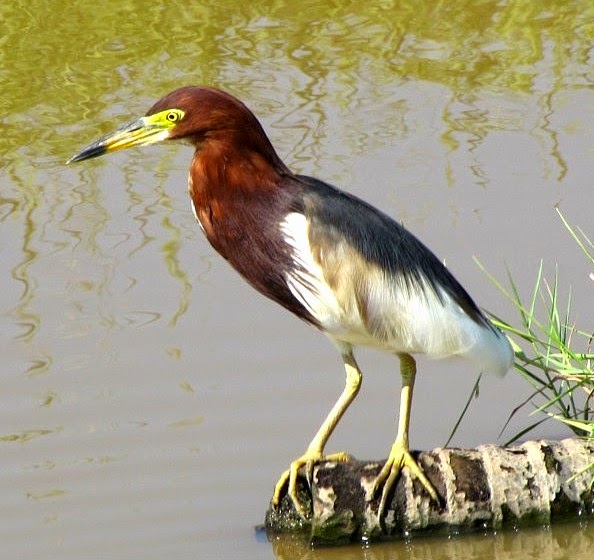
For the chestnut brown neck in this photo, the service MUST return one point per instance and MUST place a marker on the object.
(240, 196)
(232, 178)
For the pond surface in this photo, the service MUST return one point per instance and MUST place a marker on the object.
(150, 398)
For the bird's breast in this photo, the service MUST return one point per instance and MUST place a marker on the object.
(329, 278)
(306, 275)
(247, 231)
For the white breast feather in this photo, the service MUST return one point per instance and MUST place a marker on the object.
(190, 192)
(306, 280)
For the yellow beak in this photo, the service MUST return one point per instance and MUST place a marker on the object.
(146, 130)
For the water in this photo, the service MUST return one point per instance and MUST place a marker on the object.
(150, 398)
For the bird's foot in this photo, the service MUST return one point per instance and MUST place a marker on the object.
(399, 457)
(307, 460)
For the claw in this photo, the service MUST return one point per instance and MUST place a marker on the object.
(399, 458)
(308, 460)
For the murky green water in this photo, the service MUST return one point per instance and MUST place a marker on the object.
(149, 398)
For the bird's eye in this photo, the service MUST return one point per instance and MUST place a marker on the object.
(173, 116)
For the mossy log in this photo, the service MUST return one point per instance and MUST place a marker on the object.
(488, 487)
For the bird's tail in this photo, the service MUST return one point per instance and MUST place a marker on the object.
(491, 351)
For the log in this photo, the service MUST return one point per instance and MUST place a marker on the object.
(487, 488)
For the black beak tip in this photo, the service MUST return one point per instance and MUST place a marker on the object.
(91, 152)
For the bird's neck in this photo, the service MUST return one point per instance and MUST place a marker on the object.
(221, 168)
(230, 180)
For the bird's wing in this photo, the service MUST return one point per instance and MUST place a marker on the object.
(368, 281)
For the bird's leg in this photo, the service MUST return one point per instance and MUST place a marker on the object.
(315, 450)
(399, 454)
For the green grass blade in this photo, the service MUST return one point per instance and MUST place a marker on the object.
(473, 392)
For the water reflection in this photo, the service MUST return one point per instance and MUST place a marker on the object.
(542, 543)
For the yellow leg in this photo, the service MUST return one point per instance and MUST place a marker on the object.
(315, 450)
(399, 454)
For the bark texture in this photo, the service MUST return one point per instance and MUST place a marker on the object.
(489, 487)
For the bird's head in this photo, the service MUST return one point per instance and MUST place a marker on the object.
(190, 113)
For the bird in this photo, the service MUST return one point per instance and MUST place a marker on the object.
(330, 258)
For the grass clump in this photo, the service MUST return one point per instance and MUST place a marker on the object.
(552, 353)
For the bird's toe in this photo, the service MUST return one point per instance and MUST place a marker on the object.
(399, 458)
(288, 478)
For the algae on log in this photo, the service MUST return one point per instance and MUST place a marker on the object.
(488, 487)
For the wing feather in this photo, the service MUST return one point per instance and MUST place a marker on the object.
(367, 280)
